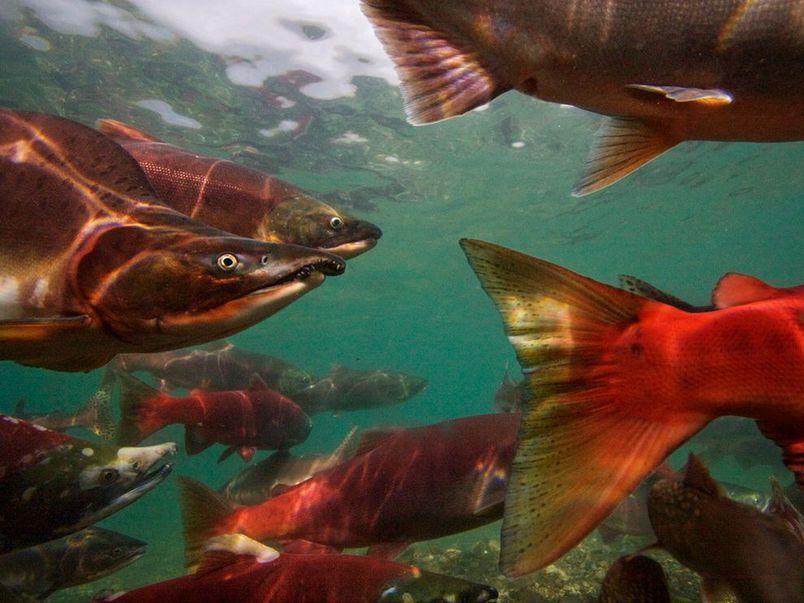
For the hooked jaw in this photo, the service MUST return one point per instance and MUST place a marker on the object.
(369, 235)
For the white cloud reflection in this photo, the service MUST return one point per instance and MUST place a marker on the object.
(256, 38)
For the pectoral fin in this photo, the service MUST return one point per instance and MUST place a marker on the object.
(680, 94)
(195, 441)
(66, 343)
(621, 146)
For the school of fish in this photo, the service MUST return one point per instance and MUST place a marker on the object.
(124, 251)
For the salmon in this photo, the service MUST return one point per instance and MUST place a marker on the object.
(620, 381)
(664, 71)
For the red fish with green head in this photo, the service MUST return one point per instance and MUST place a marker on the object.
(242, 200)
(666, 71)
(236, 568)
(620, 381)
(244, 420)
(93, 264)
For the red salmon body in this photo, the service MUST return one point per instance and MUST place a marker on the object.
(236, 568)
(619, 381)
(404, 485)
(244, 420)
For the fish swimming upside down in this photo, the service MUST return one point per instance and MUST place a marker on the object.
(52, 485)
(666, 71)
(242, 200)
(620, 381)
(92, 263)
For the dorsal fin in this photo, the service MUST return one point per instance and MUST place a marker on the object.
(348, 447)
(257, 383)
(736, 289)
(372, 438)
(120, 131)
(639, 287)
(224, 550)
(781, 507)
(697, 476)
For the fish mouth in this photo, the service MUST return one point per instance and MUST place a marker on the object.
(144, 484)
(324, 266)
(352, 248)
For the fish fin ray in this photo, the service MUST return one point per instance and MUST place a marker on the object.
(621, 146)
(348, 447)
(203, 510)
(98, 411)
(639, 287)
(780, 506)
(138, 418)
(117, 130)
(697, 476)
(439, 79)
(734, 289)
(582, 448)
(372, 438)
(711, 97)
(257, 383)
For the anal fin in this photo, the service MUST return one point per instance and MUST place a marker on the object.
(621, 146)
(791, 441)
(439, 78)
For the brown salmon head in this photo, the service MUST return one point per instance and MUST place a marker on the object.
(160, 288)
(302, 220)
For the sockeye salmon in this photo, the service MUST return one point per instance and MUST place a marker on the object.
(620, 381)
(241, 200)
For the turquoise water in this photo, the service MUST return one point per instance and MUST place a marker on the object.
(412, 304)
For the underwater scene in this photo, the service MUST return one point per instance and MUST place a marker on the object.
(551, 340)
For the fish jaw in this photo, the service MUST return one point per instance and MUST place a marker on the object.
(238, 314)
(352, 249)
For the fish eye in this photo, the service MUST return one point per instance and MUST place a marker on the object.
(264, 260)
(227, 262)
(117, 551)
(135, 465)
(108, 477)
(335, 222)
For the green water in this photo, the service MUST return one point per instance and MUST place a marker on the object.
(412, 304)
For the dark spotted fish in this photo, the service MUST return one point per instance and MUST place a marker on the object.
(52, 484)
(665, 71)
(80, 558)
(737, 549)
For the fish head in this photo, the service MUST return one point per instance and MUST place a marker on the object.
(294, 380)
(79, 483)
(436, 588)
(98, 552)
(167, 289)
(302, 220)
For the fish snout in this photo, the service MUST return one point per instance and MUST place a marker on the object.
(141, 458)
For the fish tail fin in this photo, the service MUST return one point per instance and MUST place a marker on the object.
(439, 78)
(99, 418)
(585, 441)
(621, 146)
(205, 513)
(139, 415)
(118, 130)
